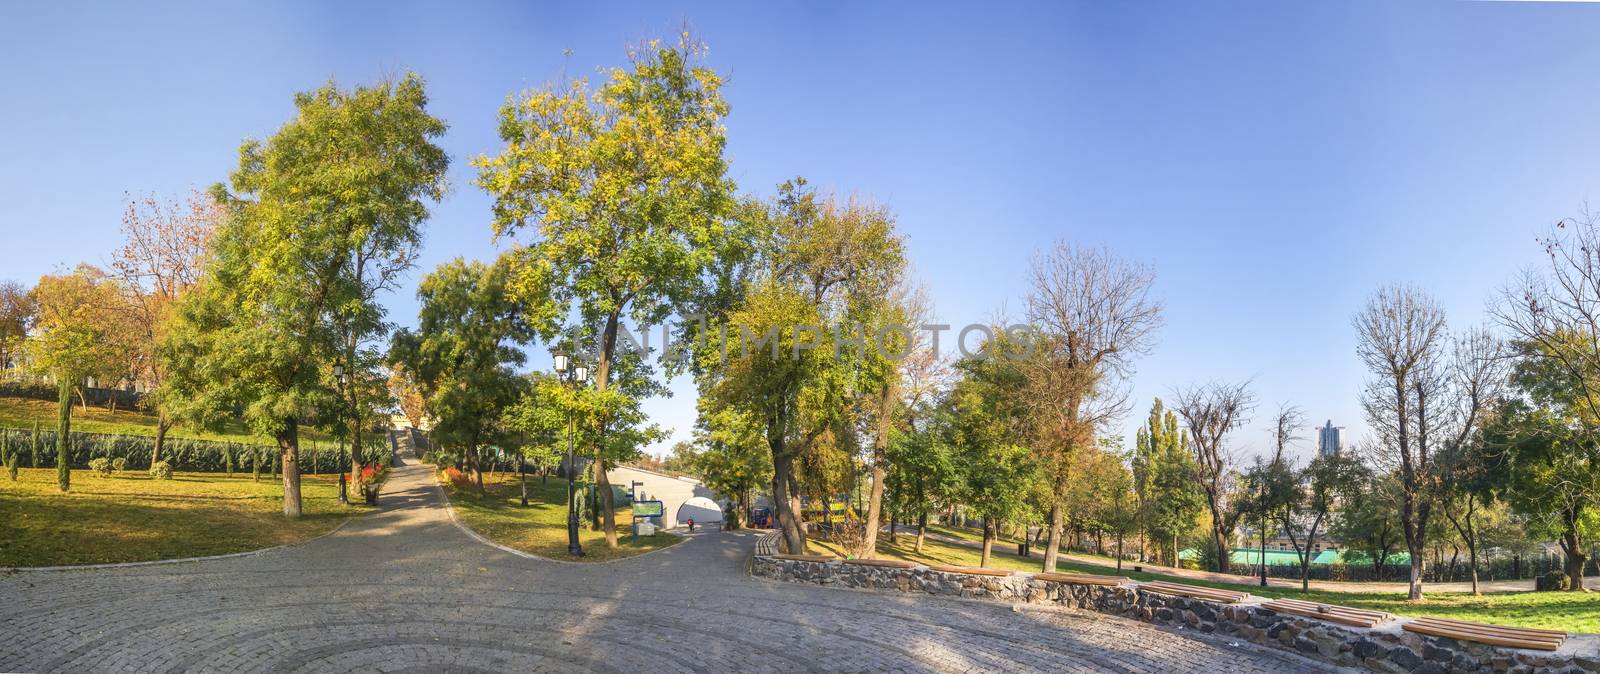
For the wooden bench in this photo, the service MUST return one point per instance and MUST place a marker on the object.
(1494, 635)
(1082, 579)
(887, 563)
(1343, 615)
(1193, 592)
(971, 570)
(806, 558)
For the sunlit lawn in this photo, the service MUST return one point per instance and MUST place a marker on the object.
(1570, 611)
(22, 413)
(130, 517)
(541, 528)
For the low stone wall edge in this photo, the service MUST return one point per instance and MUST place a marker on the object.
(1386, 648)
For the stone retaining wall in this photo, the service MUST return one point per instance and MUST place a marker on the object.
(1383, 649)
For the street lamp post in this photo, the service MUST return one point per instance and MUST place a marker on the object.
(580, 373)
(343, 380)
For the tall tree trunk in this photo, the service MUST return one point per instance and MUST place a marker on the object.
(880, 459)
(988, 541)
(602, 379)
(875, 508)
(922, 530)
(522, 476)
(63, 434)
(289, 451)
(783, 506)
(1053, 548)
(1573, 547)
(163, 424)
(1119, 550)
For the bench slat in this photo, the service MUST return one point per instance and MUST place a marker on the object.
(1351, 617)
(806, 558)
(889, 563)
(1082, 579)
(1301, 603)
(1224, 596)
(1501, 629)
(1437, 630)
(969, 570)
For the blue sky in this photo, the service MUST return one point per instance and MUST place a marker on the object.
(1274, 162)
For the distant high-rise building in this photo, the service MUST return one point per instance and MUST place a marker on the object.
(1330, 439)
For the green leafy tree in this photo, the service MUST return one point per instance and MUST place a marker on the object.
(1547, 443)
(463, 354)
(1369, 522)
(989, 406)
(1169, 500)
(624, 186)
(347, 178)
(734, 461)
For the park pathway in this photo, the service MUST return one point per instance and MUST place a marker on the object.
(403, 590)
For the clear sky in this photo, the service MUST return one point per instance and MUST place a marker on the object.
(1274, 162)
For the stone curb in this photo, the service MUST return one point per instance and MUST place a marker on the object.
(180, 560)
(1386, 648)
(455, 520)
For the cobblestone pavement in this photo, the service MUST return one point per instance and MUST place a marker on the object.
(403, 590)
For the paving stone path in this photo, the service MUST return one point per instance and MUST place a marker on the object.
(403, 590)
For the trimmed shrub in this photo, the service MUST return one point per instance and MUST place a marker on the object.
(161, 470)
(101, 466)
(1555, 581)
(119, 464)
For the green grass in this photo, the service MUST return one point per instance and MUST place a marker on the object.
(1570, 611)
(23, 412)
(131, 517)
(541, 528)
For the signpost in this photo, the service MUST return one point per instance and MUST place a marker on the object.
(645, 509)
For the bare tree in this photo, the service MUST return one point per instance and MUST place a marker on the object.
(1290, 418)
(1427, 394)
(163, 256)
(1093, 314)
(1212, 411)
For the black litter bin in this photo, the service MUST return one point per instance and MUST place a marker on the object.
(1022, 549)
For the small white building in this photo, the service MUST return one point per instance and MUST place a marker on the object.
(673, 491)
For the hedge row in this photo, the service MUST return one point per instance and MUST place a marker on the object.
(208, 456)
(99, 397)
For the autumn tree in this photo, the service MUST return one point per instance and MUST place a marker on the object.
(349, 175)
(407, 395)
(1092, 315)
(18, 310)
(1212, 412)
(162, 256)
(624, 188)
(76, 336)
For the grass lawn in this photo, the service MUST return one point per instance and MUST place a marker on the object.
(541, 528)
(1570, 611)
(131, 517)
(23, 412)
